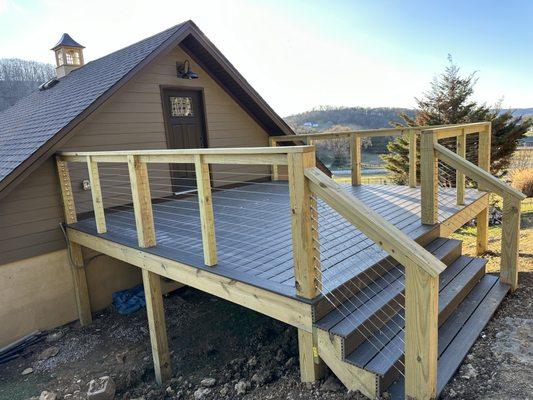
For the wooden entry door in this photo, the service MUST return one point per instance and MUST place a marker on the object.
(185, 125)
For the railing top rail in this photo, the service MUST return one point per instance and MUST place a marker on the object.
(201, 151)
(476, 173)
(238, 155)
(395, 242)
(440, 129)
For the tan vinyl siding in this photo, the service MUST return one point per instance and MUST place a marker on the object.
(131, 119)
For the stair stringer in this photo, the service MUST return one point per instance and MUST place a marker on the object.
(354, 378)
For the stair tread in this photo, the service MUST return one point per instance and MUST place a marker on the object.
(382, 350)
(354, 311)
(461, 329)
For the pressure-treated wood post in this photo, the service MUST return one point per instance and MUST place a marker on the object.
(96, 192)
(510, 241)
(142, 201)
(275, 168)
(412, 157)
(157, 326)
(207, 218)
(355, 157)
(459, 176)
(482, 220)
(81, 291)
(305, 255)
(428, 178)
(421, 333)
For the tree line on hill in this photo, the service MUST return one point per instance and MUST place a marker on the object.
(18, 78)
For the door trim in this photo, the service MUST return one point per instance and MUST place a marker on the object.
(204, 138)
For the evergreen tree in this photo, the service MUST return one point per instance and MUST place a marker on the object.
(449, 102)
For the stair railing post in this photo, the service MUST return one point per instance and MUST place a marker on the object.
(459, 176)
(482, 219)
(412, 133)
(428, 178)
(355, 157)
(421, 333)
(205, 203)
(510, 241)
(306, 258)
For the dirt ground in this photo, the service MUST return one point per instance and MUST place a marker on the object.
(212, 338)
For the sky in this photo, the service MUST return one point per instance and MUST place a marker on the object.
(303, 54)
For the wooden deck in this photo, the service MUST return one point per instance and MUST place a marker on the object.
(253, 231)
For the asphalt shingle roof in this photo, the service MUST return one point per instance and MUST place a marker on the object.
(35, 119)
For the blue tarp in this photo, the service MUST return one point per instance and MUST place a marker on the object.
(130, 300)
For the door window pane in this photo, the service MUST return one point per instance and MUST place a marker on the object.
(181, 107)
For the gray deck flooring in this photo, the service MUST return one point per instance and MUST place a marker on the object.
(253, 232)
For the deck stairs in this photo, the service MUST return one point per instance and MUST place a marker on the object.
(361, 337)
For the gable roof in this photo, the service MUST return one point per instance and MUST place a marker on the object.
(33, 128)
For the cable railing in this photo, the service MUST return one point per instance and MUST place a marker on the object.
(440, 164)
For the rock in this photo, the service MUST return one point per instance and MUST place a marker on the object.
(331, 384)
(45, 395)
(48, 353)
(242, 386)
(224, 391)
(27, 371)
(280, 355)
(200, 393)
(169, 391)
(101, 389)
(291, 362)
(262, 377)
(121, 357)
(55, 336)
(252, 362)
(452, 393)
(469, 372)
(208, 382)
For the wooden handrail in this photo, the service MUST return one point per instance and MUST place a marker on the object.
(476, 173)
(395, 242)
(422, 271)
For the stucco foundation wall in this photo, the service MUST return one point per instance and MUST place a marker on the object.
(37, 293)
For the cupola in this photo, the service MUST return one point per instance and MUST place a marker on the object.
(69, 55)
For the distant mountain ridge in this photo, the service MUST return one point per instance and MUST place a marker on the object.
(326, 117)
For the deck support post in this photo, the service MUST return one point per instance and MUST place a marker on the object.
(79, 279)
(156, 322)
(275, 167)
(312, 368)
(205, 204)
(421, 333)
(510, 241)
(306, 258)
(412, 157)
(459, 176)
(482, 220)
(96, 193)
(428, 178)
(142, 201)
(355, 156)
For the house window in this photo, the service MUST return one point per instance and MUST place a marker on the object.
(181, 107)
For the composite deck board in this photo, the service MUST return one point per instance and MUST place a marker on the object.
(253, 231)
(461, 329)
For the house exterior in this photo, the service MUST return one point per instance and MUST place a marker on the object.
(139, 97)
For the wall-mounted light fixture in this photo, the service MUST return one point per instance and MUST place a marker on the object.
(184, 70)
